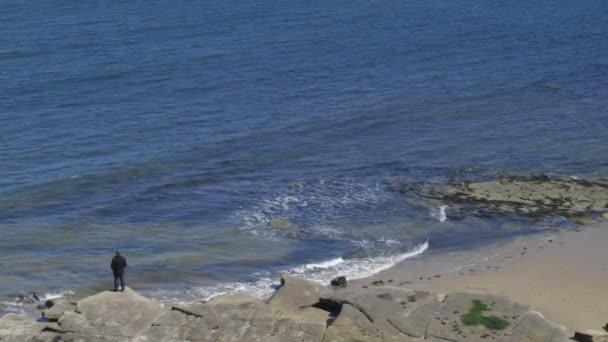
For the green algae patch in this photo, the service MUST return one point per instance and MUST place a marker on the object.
(476, 317)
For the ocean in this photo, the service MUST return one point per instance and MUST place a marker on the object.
(176, 132)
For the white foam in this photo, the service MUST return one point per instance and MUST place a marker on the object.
(440, 213)
(55, 295)
(311, 206)
(13, 307)
(261, 288)
(389, 242)
(355, 268)
(325, 264)
(321, 272)
(29, 308)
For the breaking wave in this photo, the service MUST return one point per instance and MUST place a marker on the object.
(321, 272)
(325, 264)
(440, 213)
(26, 304)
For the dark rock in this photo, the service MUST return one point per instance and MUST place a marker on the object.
(591, 336)
(30, 298)
(58, 308)
(339, 282)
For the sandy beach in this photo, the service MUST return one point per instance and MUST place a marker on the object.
(562, 275)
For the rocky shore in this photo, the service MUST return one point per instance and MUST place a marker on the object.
(534, 196)
(299, 311)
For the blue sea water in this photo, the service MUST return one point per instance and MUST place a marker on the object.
(177, 131)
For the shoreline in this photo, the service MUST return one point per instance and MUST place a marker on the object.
(554, 278)
(446, 271)
(561, 274)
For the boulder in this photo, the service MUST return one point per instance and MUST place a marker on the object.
(162, 334)
(119, 314)
(380, 302)
(338, 282)
(75, 337)
(296, 293)
(294, 311)
(236, 317)
(397, 314)
(173, 318)
(169, 327)
(352, 325)
(30, 298)
(591, 336)
(280, 223)
(17, 328)
(59, 307)
(46, 336)
(307, 324)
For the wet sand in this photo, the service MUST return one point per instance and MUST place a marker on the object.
(563, 275)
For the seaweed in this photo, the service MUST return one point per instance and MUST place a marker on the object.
(475, 317)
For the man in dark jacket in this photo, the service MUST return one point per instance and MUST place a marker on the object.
(119, 263)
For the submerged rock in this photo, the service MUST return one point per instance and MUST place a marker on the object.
(280, 223)
(532, 196)
(30, 298)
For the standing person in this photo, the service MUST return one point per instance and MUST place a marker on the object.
(119, 263)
